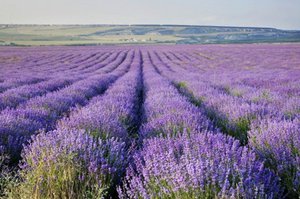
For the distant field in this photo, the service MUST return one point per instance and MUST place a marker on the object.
(138, 34)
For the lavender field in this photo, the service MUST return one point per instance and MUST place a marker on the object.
(177, 121)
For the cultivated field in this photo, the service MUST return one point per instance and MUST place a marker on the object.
(35, 35)
(201, 121)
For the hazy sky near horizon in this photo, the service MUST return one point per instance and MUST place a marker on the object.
(267, 13)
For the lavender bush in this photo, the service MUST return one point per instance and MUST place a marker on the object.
(200, 166)
(69, 164)
(278, 143)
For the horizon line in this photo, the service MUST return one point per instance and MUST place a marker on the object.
(140, 24)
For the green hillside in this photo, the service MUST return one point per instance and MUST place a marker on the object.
(139, 34)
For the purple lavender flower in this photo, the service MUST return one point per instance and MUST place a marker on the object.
(70, 163)
(202, 165)
(278, 144)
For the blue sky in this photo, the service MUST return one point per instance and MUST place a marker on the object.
(283, 14)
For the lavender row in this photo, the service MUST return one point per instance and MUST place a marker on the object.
(244, 64)
(82, 66)
(70, 164)
(92, 136)
(110, 111)
(278, 144)
(249, 91)
(253, 85)
(278, 103)
(62, 64)
(114, 113)
(94, 67)
(275, 140)
(201, 165)
(188, 161)
(166, 112)
(232, 115)
(11, 83)
(43, 112)
(13, 97)
(15, 82)
(72, 68)
(260, 126)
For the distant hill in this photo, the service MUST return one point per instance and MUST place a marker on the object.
(140, 34)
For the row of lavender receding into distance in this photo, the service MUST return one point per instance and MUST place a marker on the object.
(184, 121)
